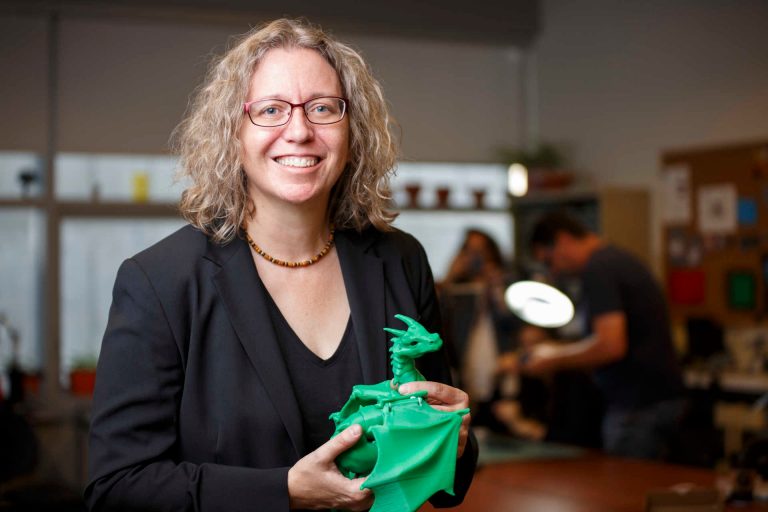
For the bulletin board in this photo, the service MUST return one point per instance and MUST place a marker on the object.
(715, 232)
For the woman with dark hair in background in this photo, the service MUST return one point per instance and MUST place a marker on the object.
(478, 259)
(480, 324)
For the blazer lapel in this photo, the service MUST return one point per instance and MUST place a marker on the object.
(363, 274)
(238, 285)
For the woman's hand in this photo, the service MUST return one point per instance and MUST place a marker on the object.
(444, 398)
(315, 482)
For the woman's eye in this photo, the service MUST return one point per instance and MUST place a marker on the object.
(321, 108)
(270, 111)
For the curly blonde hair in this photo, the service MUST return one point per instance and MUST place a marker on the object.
(207, 141)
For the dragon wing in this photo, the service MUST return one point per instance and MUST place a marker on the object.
(417, 456)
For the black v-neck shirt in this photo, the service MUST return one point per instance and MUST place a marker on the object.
(321, 386)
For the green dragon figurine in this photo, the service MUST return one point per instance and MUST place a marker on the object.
(408, 449)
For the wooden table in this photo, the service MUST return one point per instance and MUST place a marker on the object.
(589, 483)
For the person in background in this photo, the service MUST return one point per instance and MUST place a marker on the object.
(479, 260)
(560, 407)
(629, 347)
(479, 269)
(231, 341)
(483, 324)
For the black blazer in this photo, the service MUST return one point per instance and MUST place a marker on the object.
(193, 408)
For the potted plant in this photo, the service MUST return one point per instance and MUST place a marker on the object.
(82, 376)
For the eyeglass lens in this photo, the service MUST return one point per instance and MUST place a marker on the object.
(277, 112)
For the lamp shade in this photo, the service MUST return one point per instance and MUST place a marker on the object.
(539, 304)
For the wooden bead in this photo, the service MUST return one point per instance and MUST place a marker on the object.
(291, 264)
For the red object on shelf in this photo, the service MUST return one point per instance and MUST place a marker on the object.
(686, 287)
(549, 179)
(479, 195)
(82, 382)
(413, 190)
(442, 197)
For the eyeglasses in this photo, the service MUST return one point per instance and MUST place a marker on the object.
(271, 113)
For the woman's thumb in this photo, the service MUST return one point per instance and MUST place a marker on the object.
(340, 443)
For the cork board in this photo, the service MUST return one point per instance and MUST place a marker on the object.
(715, 234)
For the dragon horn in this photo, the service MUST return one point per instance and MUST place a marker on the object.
(396, 332)
(410, 322)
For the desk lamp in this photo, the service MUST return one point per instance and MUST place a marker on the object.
(539, 304)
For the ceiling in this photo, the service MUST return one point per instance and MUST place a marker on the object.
(497, 22)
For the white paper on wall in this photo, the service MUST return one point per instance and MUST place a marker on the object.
(717, 208)
(676, 194)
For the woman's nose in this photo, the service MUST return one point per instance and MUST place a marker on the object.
(299, 128)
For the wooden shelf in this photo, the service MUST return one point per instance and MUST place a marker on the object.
(131, 209)
(562, 196)
(117, 209)
(91, 209)
(451, 210)
(22, 203)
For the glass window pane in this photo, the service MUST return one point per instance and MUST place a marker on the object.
(105, 177)
(91, 252)
(20, 174)
(21, 256)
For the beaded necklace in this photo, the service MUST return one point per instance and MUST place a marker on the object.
(292, 264)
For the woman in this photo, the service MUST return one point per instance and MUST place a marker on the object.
(230, 342)
(479, 260)
(472, 295)
(479, 266)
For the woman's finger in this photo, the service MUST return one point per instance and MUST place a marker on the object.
(438, 394)
(338, 444)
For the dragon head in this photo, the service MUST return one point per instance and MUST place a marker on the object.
(414, 342)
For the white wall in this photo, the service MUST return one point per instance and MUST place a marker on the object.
(124, 85)
(455, 102)
(619, 82)
(23, 80)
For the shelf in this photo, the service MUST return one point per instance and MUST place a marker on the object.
(563, 196)
(117, 209)
(451, 210)
(91, 209)
(22, 203)
(731, 381)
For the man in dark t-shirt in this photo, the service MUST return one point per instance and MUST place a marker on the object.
(629, 347)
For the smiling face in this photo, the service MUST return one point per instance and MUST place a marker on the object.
(299, 162)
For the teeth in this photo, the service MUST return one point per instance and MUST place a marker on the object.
(297, 161)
